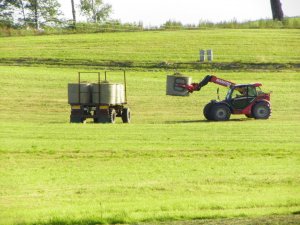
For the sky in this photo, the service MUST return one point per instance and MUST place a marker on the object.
(156, 12)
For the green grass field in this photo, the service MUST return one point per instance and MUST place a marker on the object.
(169, 164)
(144, 48)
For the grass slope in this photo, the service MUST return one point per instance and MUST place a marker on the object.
(155, 49)
(168, 165)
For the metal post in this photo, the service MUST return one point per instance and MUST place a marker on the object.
(99, 86)
(210, 55)
(202, 55)
(125, 82)
(79, 87)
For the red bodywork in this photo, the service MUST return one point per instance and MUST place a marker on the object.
(197, 86)
(221, 82)
(262, 97)
(248, 110)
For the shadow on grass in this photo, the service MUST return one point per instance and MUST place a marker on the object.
(146, 65)
(292, 219)
(207, 121)
(79, 222)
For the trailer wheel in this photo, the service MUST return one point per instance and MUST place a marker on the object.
(126, 115)
(220, 112)
(112, 116)
(207, 111)
(102, 118)
(261, 111)
(76, 119)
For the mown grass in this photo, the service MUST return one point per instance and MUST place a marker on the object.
(169, 164)
(154, 49)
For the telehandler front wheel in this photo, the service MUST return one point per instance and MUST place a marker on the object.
(207, 111)
(220, 112)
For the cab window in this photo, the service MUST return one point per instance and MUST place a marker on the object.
(252, 91)
(239, 92)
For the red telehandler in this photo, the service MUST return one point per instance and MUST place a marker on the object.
(247, 99)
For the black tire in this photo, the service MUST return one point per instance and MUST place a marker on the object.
(126, 115)
(248, 116)
(102, 118)
(220, 112)
(76, 119)
(112, 116)
(207, 111)
(261, 111)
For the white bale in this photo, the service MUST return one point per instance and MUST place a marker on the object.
(202, 55)
(210, 55)
(173, 81)
(108, 93)
(73, 93)
(120, 95)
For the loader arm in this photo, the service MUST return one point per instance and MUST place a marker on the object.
(209, 78)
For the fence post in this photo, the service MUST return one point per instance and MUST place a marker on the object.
(210, 55)
(202, 55)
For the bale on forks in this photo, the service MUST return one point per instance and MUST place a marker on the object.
(103, 101)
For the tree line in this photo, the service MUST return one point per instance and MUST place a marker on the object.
(38, 13)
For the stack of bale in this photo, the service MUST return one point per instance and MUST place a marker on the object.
(103, 93)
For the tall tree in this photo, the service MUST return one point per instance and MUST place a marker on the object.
(7, 11)
(73, 13)
(6, 17)
(277, 10)
(41, 12)
(95, 10)
(22, 7)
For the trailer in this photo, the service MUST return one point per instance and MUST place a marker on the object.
(102, 101)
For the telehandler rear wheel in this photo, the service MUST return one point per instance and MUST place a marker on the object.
(261, 111)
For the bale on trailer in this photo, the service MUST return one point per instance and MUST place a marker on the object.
(109, 93)
(120, 94)
(79, 93)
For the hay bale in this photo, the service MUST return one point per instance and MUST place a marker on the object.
(110, 93)
(173, 81)
(73, 93)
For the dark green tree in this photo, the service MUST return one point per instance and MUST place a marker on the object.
(95, 10)
(29, 12)
(42, 12)
(277, 10)
(7, 9)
